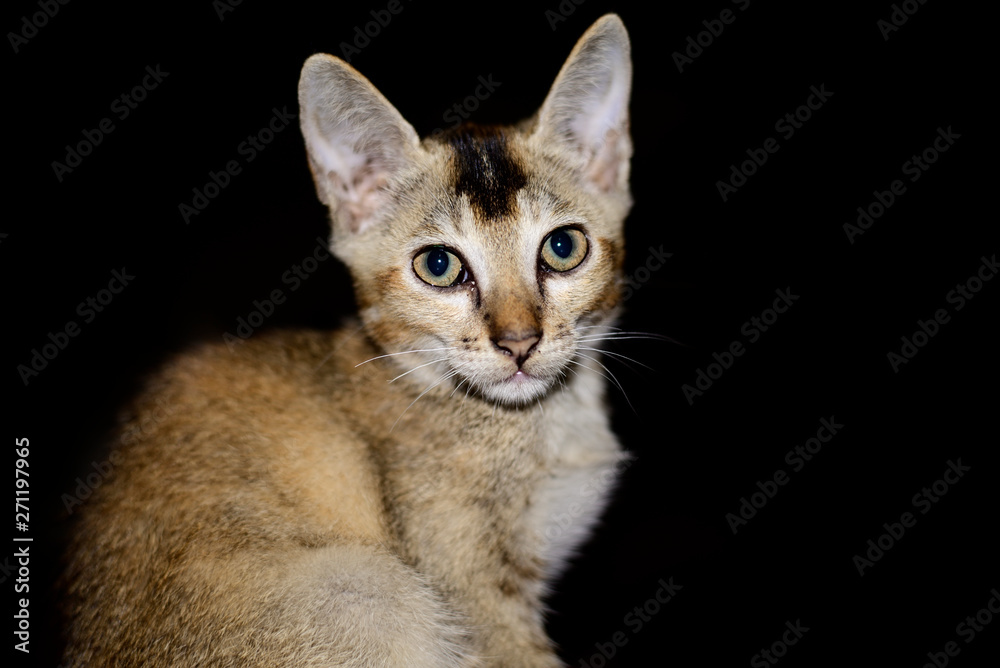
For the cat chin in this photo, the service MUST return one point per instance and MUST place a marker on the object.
(517, 390)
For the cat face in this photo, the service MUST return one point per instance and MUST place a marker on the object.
(481, 256)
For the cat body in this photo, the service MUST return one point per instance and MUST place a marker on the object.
(399, 492)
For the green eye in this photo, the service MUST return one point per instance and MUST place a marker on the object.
(439, 267)
(564, 249)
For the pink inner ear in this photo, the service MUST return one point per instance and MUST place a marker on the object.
(606, 162)
(360, 199)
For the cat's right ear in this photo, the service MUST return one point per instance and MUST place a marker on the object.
(355, 139)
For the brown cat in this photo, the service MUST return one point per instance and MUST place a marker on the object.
(401, 491)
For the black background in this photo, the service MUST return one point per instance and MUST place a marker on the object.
(825, 358)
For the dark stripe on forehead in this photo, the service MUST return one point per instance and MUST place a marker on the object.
(485, 170)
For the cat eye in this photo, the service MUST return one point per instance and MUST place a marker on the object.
(439, 267)
(564, 249)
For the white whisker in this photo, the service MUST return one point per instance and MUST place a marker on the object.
(598, 372)
(325, 359)
(405, 352)
(440, 359)
(464, 380)
(613, 378)
(618, 355)
(621, 336)
(615, 336)
(435, 384)
(342, 344)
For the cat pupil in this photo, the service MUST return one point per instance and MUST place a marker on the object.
(562, 244)
(437, 262)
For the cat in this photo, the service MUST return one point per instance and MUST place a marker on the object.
(402, 491)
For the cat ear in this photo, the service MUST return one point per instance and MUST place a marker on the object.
(586, 110)
(355, 139)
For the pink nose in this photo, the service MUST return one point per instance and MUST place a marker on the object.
(518, 348)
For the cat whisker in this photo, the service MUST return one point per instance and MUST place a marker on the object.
(580, 364)
(621, 335)
(440, 380)
(334, 351)
(611, 336)
(324, 360)
(464, 380)
(440, 359)
(405, 352)
(604, 330)
(618, 356)
(612, 378)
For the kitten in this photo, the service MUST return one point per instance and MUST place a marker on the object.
(399, 492)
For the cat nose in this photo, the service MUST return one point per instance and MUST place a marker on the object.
(518, 346)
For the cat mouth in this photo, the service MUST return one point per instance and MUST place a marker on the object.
(517, 388)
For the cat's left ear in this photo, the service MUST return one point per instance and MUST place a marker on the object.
(586, 111)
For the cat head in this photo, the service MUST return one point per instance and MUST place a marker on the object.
(494, 250)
